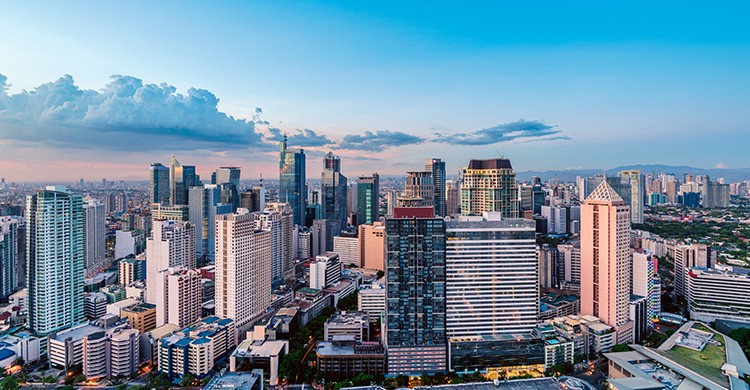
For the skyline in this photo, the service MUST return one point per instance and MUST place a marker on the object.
(551, 87)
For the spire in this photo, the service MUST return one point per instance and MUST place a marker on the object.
(605, 193)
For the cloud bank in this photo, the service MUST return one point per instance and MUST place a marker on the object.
(530, 130)
(126, 113)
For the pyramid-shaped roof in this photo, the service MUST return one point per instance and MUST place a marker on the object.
(605, 193)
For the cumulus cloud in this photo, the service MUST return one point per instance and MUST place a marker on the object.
(304, 138)
(125, 114)
(378, 141)
(529, 130)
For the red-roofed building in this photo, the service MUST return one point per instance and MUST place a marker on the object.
(413, 212)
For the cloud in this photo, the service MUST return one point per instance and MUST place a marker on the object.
(304, 138)
(125, 114)
(531, 130)
(378, 141)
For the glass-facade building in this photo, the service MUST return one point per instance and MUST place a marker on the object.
(292, 181)
(55, 259)
(368, 199)
(415, 288)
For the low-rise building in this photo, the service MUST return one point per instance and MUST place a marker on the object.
(196, 349)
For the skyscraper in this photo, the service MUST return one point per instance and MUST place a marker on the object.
(415, 314)
(55, 258)
(637, 194)
(368, 199)
(159, 183)
(292, 181)
(333, 190)
(171, 246)
(490, 185)
(8, 256)
(606, 261)
(204, 205)
(94, 235)
(243, 272)
(437, 168)
(491, 282)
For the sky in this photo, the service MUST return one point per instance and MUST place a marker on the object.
(102, 89)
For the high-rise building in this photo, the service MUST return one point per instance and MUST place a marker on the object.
(415, 315)
(243, 269)
(637, 194)
(277, 219)
(606, 260)
(372, 246)
(419, 190)
(171, 245)
(489, 185)
(491, 282)
(94, 235)
(55, 259)
(333, 190)
(452, 198)
(159, 189)
(368, 199)
(644, 284)
(9, 262)
(292, 181)
(437, 168)
(203, 206)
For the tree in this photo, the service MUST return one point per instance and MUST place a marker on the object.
(9, 383)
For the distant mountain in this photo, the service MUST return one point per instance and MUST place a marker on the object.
(569, 175)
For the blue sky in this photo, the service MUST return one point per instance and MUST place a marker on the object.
(383, 84)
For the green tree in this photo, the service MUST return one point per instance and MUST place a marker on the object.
(9, 383)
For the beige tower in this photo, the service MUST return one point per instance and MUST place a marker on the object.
(605, 260)
(243, 268)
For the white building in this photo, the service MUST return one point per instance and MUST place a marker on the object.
(95, 235)
(491, 276)
(556, 219)
(171, 245)
(243, 268)
(325, 270)
(347, 248)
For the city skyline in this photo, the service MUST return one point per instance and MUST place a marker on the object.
(559, 86)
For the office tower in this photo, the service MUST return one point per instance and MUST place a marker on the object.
(491, 282)
(372, 246)
(637, 194)
(415, 315)
(177, 188)
(254, 199)
(171, 245)
(94, 235)
(557, 219)
(325, 270)
(605, 260)
(292, 181)
(490, 185)
(333, 190)
(452, 198)
(243, 269)
(203, 206)
(55, 259)
(158, 183)
(9, 262)
(572, 259)
(323, 231)
(419, 190)
(437, 168)
(368, 199)
(228, 175)
(278, 220)
(183, 296)
(644, 284)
